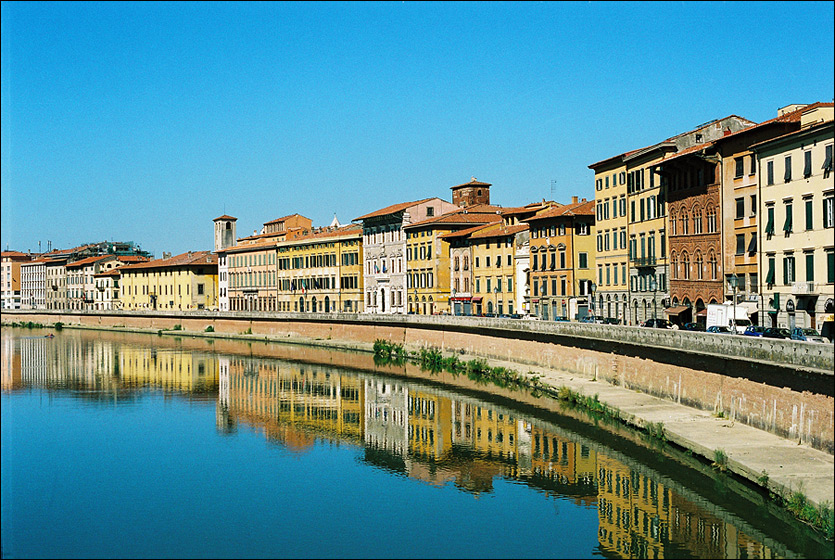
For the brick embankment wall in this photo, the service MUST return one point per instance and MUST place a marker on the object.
(783, 387)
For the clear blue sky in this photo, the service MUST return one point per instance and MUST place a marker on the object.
(145, 121)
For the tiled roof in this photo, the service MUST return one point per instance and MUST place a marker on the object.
(393, 209)
(458, 217)
(790, 117)
(473, 183)
(533, 207)
(112, 272)
(13, 254)
(686, 152)
(224, 217)
(326, 233)
(35, 261)
(85, 262)
(825, 124)
(131, 258)
(498, 231)
(254, 246)
(282, 219)
(582, 208)
(186, 259)
(465, 232)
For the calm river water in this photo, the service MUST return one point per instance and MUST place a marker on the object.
(118, 445)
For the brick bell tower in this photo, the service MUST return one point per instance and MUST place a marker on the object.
(469, 194)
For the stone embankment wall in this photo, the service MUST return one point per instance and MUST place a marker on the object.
(785, 387)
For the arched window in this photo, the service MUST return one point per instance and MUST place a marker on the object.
(466, 262)
(683, 222)
(699, 267)
(697, 220)
(456, 262)
(685, 266)
(711, 219)
(714, 269)
(673, 224)
(674, 265)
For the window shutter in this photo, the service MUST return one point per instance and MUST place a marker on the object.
(769, 227)
(807, 163)
(785, 271)
(827, 162)
(752, 245)
(809, 214)
(787, 227)
(810, 267)
(769, 278)
(788, 175)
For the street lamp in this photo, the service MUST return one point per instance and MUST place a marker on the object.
(452, 302)
(496, 299)
(654, 284)
(592, 287)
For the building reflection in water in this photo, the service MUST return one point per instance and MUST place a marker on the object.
(426, 433)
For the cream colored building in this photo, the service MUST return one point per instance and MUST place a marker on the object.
(797, 255)
(33, 284)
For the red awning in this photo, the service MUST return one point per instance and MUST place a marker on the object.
(461, 298)
(477, 300)
(702, 313)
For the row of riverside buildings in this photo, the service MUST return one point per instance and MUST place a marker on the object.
(729, 211)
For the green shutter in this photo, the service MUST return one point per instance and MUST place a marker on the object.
(769, 227)
(787, 227)
(769, 278)
(830, 267)
(808, 215)
(810, 267)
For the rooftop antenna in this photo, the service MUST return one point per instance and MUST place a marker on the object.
(553, 188)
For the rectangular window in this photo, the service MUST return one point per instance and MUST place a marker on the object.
(752, 245)
(769, 277)
(632, 209)
(810, 267)
(809, 213)
(828, 216)
(788, 271)
(830, 266)
(787, 225)
(788, 174)
(740, 243)
(623, 206)
(769, 226)
(643, 212)
(753, 205)
(663, 242)
(807, 163)
(827, 160)
(740, 167)
(740, 208)
(753, 165)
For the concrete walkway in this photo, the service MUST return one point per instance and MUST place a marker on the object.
(751, 452)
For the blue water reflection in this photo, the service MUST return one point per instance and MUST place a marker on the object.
(131, 448)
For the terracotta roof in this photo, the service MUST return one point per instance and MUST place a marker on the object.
(186, 259)
(582, 208)
(686, 152)
(224, 217)
(256, 246)
(13, 254)
(131, 258)
(458, 217)
(320, 234)
(473, 183)
(825, 124)
(282, 219)
(85, 262)
(533, 207)
(35, 261)
(393, 209)
(790, 117)
(498, 231)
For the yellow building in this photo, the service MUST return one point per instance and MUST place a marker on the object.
(562, 260)
(321, 271)
(428, 256)
(611, 255)
(186, 281)
(429, 426)
(494, 270)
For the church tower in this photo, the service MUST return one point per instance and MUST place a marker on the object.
(469, 194)
(225, 232)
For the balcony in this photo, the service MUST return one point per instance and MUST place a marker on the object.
(804, 289)
(642, 261)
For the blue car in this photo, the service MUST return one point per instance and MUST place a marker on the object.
(754, 330)
(716, 329)
(807, 335)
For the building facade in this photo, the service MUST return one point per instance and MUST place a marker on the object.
(185, 282)
(384, 248)
(10, 280)
(33, 284)
(797, 258)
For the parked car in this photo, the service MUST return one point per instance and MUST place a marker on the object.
(693, 327)
(719, 329)
(754, 330)
(611, 321)
(588, 319)
(561, 319)
(657, 323)
(775, 332)
(807, 335)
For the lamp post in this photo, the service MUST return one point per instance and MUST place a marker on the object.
(416, 302)
(452, 303)
(496, 299)
(591, 291)
(734, 283)
(654, 284)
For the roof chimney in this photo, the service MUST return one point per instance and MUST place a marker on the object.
(573, 200)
